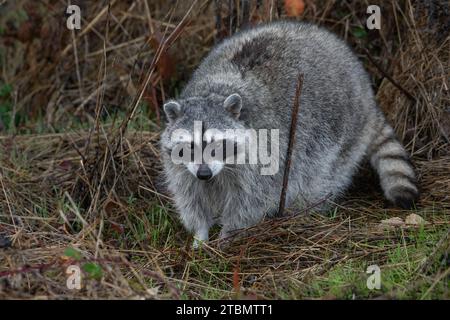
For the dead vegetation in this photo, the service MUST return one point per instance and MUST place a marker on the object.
(79, 157)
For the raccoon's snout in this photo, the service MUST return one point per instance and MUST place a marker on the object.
(204, 172)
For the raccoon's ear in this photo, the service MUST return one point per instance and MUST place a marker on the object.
(233, 104)
(172, 110)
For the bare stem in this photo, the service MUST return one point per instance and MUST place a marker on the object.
(292, 133)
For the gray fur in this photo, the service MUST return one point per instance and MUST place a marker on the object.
(339, 124)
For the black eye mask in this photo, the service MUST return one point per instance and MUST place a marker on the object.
(217, 145)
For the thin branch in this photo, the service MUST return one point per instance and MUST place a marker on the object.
(292, 133)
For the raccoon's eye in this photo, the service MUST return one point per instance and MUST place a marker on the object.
(226, 146)
(181, 152)
(219, 146)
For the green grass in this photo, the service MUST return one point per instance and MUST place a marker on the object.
(215, 274)
(154, 226)
(399, 265)
(144, 118)
(399, 274)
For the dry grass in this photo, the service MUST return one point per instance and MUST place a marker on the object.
(79, 161)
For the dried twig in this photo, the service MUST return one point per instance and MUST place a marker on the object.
(292, 134)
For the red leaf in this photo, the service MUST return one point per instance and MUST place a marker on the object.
(294, 8)
(119, 228)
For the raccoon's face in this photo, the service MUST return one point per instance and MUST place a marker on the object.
(196, 133)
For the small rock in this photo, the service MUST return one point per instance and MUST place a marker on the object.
(391, 223)
(395, 221)
(415, 219)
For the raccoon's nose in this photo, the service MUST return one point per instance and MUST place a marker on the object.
(204, 172)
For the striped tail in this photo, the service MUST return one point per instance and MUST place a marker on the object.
(397, 176)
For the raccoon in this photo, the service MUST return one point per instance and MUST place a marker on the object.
(248, 82)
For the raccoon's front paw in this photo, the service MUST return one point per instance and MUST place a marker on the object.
(197, 243)
(225, 239)
(224, 234)
(200, 238)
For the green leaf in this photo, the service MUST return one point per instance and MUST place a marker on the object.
(72, 253)
(359, 32)
(93, 270)
(5, 90)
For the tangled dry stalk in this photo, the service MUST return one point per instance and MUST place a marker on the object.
(98, 189)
